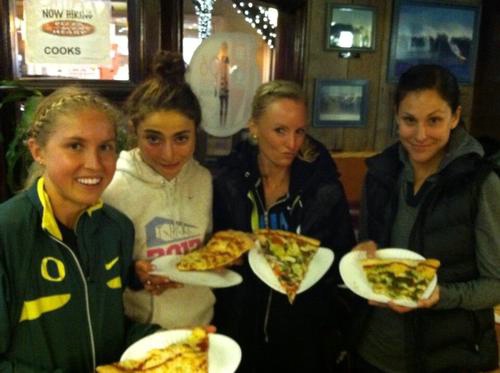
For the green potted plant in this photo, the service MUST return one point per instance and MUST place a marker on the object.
(17, 156)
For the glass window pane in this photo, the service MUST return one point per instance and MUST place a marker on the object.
(227, 18)
(71, 39)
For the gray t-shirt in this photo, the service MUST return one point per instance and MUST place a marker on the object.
(382, 344)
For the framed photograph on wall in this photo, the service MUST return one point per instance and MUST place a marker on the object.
(434, 32)
(340, 103)
(350, 27)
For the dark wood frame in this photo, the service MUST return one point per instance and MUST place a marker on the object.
(149, 30)
(289, 63)
(330, 7)
(463, 71)
(320, 84)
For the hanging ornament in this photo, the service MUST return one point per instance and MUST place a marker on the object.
(203, 9)
(263, 19)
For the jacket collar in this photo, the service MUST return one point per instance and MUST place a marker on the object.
(303, 174)
(49, 222)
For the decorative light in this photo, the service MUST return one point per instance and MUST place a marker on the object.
(263, 19)
(203, 9)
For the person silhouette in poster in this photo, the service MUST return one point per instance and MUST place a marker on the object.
(222, 82)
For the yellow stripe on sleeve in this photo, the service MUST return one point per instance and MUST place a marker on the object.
(33, 309)
(111, 263)
(115, 283)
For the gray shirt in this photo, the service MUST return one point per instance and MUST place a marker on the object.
(382, 344)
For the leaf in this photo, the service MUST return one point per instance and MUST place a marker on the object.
(16, 150)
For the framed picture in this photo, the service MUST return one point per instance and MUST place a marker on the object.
(350, 27)
(340, 103)
(434, 32)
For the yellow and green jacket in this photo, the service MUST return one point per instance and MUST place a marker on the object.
(61, 311)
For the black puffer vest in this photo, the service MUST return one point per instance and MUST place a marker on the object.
(444, 229)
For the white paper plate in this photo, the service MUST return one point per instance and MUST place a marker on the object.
(224, 354)
(353, 276)
(166, 266)
(318, 266)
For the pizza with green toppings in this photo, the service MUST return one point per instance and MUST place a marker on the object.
(400, 279)
(288, 255)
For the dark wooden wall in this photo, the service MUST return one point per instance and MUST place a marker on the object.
(486, 109)
(372, 66)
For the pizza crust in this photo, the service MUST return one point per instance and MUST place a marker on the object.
(221, 250)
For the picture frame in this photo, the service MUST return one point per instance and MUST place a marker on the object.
(350, 27)
(434, 32)
(340, 103)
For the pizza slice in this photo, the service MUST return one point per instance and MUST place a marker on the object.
(222, 249)
(288, 255)
(187, 356)
(403, 279)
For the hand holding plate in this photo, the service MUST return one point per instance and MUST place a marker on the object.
(369, 247)
(431, 301)
(153, 283)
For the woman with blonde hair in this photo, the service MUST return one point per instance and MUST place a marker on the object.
(65, 257)
(282, 179)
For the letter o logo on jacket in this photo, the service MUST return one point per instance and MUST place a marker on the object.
(53, 269)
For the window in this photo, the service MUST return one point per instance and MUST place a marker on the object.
(51, 37)
(226, 17)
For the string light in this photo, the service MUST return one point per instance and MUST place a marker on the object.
(263, 19)
(203, 9)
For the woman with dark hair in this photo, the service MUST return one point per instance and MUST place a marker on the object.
(283, 179)
(433, 193)
(165, 192)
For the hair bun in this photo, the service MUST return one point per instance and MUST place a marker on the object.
(170, 67)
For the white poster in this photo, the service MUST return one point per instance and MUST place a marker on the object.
(223, 73)
(67, 31)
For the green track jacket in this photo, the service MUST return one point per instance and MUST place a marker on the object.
(60, 312)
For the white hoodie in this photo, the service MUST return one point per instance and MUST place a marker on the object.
(170, 217)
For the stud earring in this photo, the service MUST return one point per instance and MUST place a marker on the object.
(254, 139)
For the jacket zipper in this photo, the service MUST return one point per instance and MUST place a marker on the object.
(266, 224)
(87, 303)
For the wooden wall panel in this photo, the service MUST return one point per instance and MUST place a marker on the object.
(319, 63)
(486, 112)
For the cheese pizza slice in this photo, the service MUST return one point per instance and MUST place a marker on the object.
(187, 356)
(222, 249)
(406, 279)
(288, 255)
